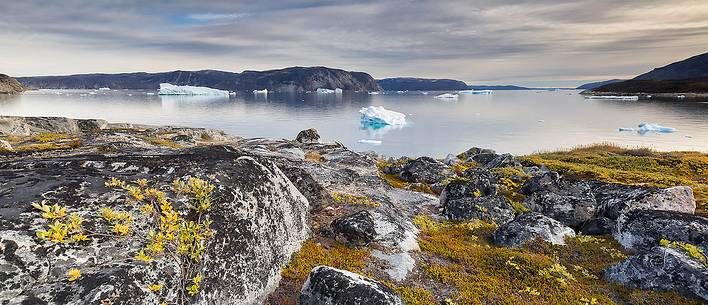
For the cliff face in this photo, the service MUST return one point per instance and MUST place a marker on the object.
(296, 79)
(9, 85)
(407, 83)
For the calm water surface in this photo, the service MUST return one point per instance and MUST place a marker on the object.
(518, 122)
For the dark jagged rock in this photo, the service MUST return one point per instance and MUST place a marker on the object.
(408, 83)
(474, 151)
(308, 136)
(616, 199)
(598, 84)
(598, 226)
(316, 194)
(504, 160)
(490, 209)
(483, 158)
(570, 202)
(293, 79)
(662, 269)
(357, 228)
(478, 182)
(425, 170)
(530, 226)
(642, 230)
(260, 219)
(330, 286)
(9, 85)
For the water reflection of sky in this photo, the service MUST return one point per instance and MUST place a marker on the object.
(508, 121)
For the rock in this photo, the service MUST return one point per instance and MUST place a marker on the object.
(483, 158)
(24, 126)
(530, 226)
(474, 151)
(318, 197)
(662, 269)
(642, 230)
(489, 208)
(308, 136)
(570, 202)
(451, 160)
(505, 160)
(616, 199)
(9, 85)
(330, 286)
(598, 226)
(479, 183)
(259, 216)
(357, 228)
(5, 146)
(182, 138)
(425, 170)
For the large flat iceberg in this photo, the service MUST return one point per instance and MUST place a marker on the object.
(378, 115)
(329, 91)
(613, 97)
(170, 89)
(264, 91)
(650, 127)
(447, 96)
(475, 91)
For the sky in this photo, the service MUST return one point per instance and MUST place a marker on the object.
(533, 43)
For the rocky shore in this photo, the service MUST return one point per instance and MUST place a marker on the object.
(93, 212)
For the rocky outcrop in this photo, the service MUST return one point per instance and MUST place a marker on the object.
(570, 202)
(643, 230)
(259, 219)
(292, 79)
(614, 200)
(24, 126)
(330, 286)
(531, 226)
(424, 170)
(9, 85)
(662, 269)
(496, 209)
(357, 228)
(308, 136)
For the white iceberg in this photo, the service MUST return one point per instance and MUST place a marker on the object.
(264, 91)
(369, 141)
(447, 96)
(374, 93)
(170, 89)
(329, 91)
(613, 97)
(378, 115)
(650, 127)
(104, 89)
(475, 91)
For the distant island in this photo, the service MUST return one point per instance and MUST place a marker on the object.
(435, 84)
(292, 79)
(683, 79)
(9, 85)
(594, 85)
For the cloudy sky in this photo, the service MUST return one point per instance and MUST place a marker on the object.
(535, 42)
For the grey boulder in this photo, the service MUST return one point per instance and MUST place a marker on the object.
(329, 286)
(308, 136)
(531, 226)
(357, 228)
(642, 230)
(424, 170)
(495, 209)
(570, 202)
(616, 199)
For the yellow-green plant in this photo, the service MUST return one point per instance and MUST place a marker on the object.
(689, 249)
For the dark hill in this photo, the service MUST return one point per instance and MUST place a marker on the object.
(694, 67)
(410, 83)
(599, 84)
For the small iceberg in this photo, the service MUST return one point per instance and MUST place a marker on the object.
(264, 91)
(650, 127)
(379, 116)
(104, 89)
(150, 93)
(447, 96)
(475, 91)
(374, 93)
(369, 141)
(613, 97)
(170, 89)
(329, 91)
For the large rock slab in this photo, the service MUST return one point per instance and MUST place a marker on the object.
(614, 200)
(662, 269)
(330, 286)
(495, 209)
(259, 217)
(357, 228)
(24, 126)
(531, 226)
(424, 170)
(642, 230)
(570, 202)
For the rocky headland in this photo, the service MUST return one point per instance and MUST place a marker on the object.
(9, 85)
(93, 212)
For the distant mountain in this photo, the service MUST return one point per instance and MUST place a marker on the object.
(293, 79)
(691, 68)
(497, 87)
(599, 84)
(9, 85)
(427, 84)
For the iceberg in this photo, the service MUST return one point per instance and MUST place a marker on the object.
(379, 116)
(374, 93)
(650, 127)
(170, 89)
(475, 91)
(613, 97)
(447, 96)
(368, 141)
(329, 91)
(264, 91)
(104, 89)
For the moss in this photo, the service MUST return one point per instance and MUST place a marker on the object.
(616, 164)
(48, 146)
(45, 137)
(157, 141)
(460, 167)
(689, 249)
(353, 199)
(460, 257)
(313, 254)
(415, 295)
